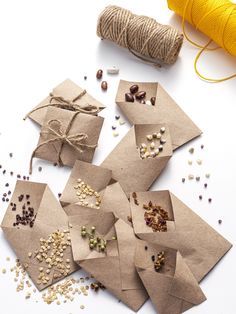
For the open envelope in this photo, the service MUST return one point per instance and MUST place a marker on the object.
(24, 239)
(68, 91)
(165, 110)
(173, 289)
(200, 245)
(67, 136)
(114, 268)
(95, 176)
(132, 172)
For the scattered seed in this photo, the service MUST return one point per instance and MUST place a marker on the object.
(200, 197)
(219, 221)
(104, 85)
(191, 150)
(197, 178)
(183, 180)
(115, 134)
(207, 175)
(190, 162)
(205, 185)
(202, 146)
(99, 74)
(199, 162)
(114, 70)
(209, 200)
(190, 176)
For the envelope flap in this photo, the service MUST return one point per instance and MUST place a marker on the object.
(184, 284)
(115, 200)
(126, 245)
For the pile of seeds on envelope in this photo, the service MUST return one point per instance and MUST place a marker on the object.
(137, 243)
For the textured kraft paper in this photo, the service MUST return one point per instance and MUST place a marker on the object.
(173, 289)
(200, 245)
(109, 267)
(182, 128)
(114, 199)
(132, 172)
(83, 123)
(68, 90)
(50, 218)
(95, 176)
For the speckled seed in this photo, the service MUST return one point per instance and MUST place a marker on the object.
(157, 151)
(153, 154)
(162, 141)
(163, 129)
(152, 145)
(134, 89)
(149, 137)
(160, 148)
(143, 145)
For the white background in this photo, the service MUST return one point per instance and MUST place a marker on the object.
(44, 42)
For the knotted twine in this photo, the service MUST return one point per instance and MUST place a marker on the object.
(61, 102)
(54, 127)
(143, 36)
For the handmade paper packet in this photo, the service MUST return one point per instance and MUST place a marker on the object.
(167, 278)
(163, 110)
(85, 176)
(67, 136)
(160, 217)
(69, 96)
(106, 266)
(128, 168)
(34, 220)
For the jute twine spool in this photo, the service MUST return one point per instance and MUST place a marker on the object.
(142, 35)
(216, 19)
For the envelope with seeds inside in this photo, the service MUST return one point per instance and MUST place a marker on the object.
(69, 96)
(168, 280)
(86, 185)
(67, 136)
(160, 217)
(113, 266)
(134, 162)
(36, 227)
(164, 110)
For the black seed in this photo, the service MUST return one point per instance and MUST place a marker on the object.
(129, 97)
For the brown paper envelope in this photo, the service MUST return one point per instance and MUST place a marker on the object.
(50, 218)
(182, 128)
(173, 288)
(95, 176)
(83, 123)
(105, 267)
(200, 245)
(68, 90)
(114, 199)
(132, 172)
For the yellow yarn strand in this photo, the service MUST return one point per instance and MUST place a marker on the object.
(216, 19)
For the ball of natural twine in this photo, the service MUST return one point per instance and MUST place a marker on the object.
(142, 35)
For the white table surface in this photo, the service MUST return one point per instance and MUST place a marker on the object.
(44, 42)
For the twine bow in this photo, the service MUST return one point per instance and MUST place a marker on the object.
(61, 102)
(74, 140)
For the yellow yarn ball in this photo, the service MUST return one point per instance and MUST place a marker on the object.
(215, 18)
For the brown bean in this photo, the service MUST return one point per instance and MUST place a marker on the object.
(134, 89)
(153, 101)
(104, 85)
(140, 95)
(129, 97)
(99, 74)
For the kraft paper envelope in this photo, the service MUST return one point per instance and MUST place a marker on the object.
(132, 172)
(24, 239)
(200, 245)
(108, 267)
(68, 91)
(67, 136)
(165, 110)
(95, 176)
(114, 199)
(173, 289)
